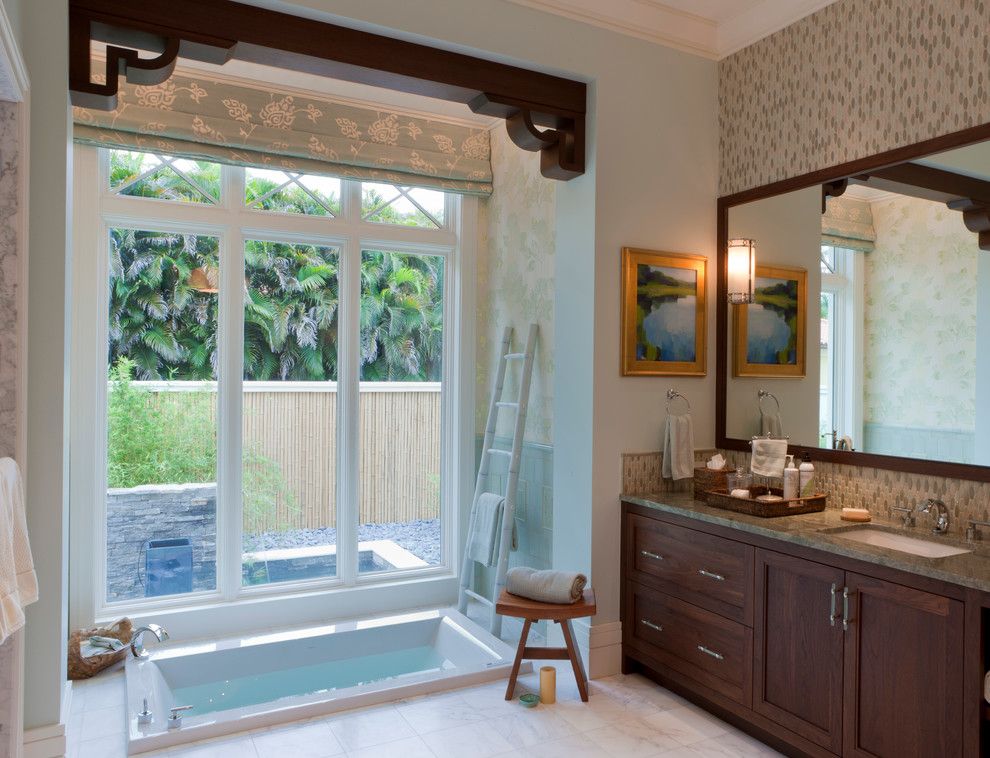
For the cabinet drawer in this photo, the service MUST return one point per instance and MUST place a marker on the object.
(709, 571)
(700, 644)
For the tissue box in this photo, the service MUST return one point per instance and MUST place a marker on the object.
(710, 479)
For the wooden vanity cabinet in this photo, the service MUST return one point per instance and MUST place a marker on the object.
(797, 656)
(842, 663)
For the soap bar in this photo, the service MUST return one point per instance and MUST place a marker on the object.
(740, 493)
(855, 514)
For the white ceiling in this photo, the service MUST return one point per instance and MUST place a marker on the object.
(711, 28)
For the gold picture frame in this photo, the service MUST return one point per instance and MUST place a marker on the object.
(661, 335)
(779, 350)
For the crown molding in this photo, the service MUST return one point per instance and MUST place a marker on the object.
(708, 37)
(768, 17)
(14, 82)
(643, 19)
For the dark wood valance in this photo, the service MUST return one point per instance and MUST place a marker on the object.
(544, 113)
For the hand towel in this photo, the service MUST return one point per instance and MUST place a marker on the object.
(769, 457)
(770, 425)
(678, 447)
(545, 586)
(18, 582)
(485, 528)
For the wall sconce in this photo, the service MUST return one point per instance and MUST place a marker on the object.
(742, 271)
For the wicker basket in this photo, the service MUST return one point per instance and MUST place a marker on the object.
(709, 479)
(84, 668)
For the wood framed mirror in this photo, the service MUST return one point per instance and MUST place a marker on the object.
(896, 328)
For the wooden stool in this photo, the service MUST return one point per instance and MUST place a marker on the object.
(533, 610)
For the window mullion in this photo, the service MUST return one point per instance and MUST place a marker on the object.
(229, 400)
(349, 398)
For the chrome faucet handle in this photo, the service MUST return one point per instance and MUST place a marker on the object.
(908, 517)
(973, 530)
(941, 513)
(175, 715)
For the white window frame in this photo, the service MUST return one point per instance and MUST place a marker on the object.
(96, 210)
(846, 284)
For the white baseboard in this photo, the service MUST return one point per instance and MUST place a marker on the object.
(604, 649)
(49, 741)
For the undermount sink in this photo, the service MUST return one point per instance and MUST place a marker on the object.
(871, 535)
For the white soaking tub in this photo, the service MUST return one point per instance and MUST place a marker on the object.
(265, 679)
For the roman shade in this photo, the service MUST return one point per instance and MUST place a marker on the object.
(218, 120)
(848, 223)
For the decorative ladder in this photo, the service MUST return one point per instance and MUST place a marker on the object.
(512, 481)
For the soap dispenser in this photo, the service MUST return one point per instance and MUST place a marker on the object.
(791, 479)
(806, 478)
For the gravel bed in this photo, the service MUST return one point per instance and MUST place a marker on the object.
(421, 538)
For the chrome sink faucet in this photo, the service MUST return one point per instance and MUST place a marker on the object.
(936, 508)
(137, 638)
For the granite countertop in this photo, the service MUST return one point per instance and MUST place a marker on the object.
(967, 570)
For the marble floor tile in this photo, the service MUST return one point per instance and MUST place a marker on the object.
(310, 740)
(368, 727)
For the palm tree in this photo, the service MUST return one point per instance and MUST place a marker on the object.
(168, 329)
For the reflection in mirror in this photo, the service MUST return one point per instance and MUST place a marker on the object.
(897, 304)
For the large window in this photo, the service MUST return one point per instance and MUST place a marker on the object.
(273, 374)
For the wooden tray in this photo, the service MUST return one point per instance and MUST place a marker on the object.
(710, 479)
(722, 499)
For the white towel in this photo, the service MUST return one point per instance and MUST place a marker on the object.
(770, 425)
(18, 582)
(769, 457)
(486, 526)
(678, 447)
(545, 586)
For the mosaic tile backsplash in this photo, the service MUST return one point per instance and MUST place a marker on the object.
(847, 487)
(854, 79)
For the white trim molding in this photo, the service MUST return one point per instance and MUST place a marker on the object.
(14, 82)
(49, 741)
(714, 31)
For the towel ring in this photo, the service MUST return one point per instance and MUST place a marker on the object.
(763, 395)
(672, 394)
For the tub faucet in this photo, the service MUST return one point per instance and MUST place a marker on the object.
(137, 638)
(936, 508)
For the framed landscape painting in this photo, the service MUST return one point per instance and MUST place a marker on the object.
(769, 334)
(663, 313)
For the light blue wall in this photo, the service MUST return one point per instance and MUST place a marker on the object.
(919, 442)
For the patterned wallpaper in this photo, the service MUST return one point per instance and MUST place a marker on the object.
(9, 277)
(9, 364)
(516, 281)
(856, 78)
(920, 367)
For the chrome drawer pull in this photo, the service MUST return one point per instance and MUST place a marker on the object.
(710, 575)
(712, 653)
(648, 554)
(832, 615)
(845, 609)
(654, 627)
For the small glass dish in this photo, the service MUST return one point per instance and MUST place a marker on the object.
(740, 482)
(529, 700)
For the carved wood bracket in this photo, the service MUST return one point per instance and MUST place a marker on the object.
(833, 189)
(542, 112)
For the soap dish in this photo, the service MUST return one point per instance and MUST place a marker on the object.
(529, 700)
(855, 514)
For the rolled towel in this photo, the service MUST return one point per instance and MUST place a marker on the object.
(546, 586)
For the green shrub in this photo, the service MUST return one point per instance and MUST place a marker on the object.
(171, 438)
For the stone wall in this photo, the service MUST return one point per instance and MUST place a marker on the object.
(157, 512)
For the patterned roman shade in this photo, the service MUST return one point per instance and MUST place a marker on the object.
(206, 118)
(848, 223)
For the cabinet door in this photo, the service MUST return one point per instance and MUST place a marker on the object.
(903, 671)
(798, 647)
